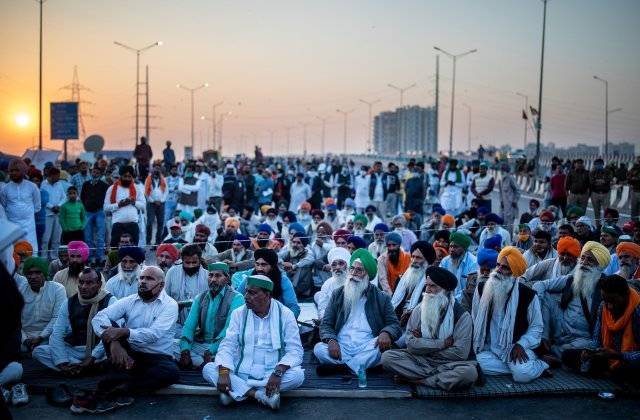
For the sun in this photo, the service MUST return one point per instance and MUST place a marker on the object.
(22, 120)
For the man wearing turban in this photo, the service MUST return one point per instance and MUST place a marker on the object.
(563, 264)
(459, 262)
(507, 321)
(225, 239)
(297, 262)
(359, 323)
(338, 259)
(392, 264)
(239, 257)
(569, 321)
(541, 249)
(378, 246)
(201, 238)
(494, 226)
(125, 282)
(438, 338)
(487, 259)
(124, 201)
(629, 256)
(20, 199)
(78, 252)
(166, 256)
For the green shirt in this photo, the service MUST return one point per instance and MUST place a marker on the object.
(191, 324)
(72, 216)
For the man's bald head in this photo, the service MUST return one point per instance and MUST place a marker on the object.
(151, 283)
(156, 272)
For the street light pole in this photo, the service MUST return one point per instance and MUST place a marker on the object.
(539, 119)
(454, 58)
(370, 137)
(40, 84)
(526, 106)
(192, 91)
(345, 114)
(137, 51)
(469, 128)
(402, 91)
(322, 138)
(213, 122)
(606, 115)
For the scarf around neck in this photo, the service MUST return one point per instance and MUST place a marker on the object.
(611, 326)
(94, 302)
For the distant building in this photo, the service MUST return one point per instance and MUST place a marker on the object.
(409, 129)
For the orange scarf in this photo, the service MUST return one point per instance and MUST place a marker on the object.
(114, 190)
(610, 326)
(147, 185)
(394, 272)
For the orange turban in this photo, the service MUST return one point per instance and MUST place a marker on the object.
(516, 261)
(21, 247)
(629, 248)
(569, 245)
(448, 219)
(232, 222)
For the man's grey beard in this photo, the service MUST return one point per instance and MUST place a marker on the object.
(412, 277)
(566, 269)
(627, 271)
(496, 290)
(585, 280)
(431, 312)
(237, 257)
(481, 277)
(129, 276)
(293, 252)
(353, 291)
(340, 276)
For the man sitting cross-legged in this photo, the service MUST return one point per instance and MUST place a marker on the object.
(73, 346)
(261, 353)
(141, 352)
(359, 322)
(208, 319)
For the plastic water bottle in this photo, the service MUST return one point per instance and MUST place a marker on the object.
(362, 377)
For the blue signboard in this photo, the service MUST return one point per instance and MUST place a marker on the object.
(64, 120)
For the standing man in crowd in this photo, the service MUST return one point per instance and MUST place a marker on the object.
(577, 185)
(20, 199)
(92, 196)
(124, 201)
(143, 155)
(600, 180)
(156, 192)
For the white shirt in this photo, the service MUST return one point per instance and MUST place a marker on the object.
(356, 332)
(156, 192)
(120, 288)
(57, 194)
(215, 185)
(185, 288)
(126, 214)
(151, 324)
(378, 191)
(324, 295)
(40, 309)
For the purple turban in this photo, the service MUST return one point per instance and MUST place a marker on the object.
(81, 247)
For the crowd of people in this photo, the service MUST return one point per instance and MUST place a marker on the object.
(430, 271)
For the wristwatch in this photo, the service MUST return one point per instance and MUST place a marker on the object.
(278, 373)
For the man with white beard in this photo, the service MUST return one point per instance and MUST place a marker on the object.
(569, 321)
(409, 289)
(487, 259)
(507, 321)
(438, 338)
(629, 256)
(359, 323)
(338, 260)
(564, 264)
(125, 282)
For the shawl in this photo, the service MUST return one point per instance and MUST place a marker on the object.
(114, 191)
(610, 326)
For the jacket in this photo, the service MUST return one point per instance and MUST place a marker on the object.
(577, 181)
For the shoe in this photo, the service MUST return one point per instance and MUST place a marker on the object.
(122, 401)
(88, 403)
(226, 399)
(6, 394)
(272, 402)
(19, 395)
(59, 396)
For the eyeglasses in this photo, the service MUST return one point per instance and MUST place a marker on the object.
(356, 270)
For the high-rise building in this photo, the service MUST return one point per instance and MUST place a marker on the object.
(410, 129)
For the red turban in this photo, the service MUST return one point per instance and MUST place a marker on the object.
(570, 245)
(203, 229)
(629, 248)
(169, 248)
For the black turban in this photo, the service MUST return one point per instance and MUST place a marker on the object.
(125, 169)
(426, 249)
(443, 278)
(134, 252)
(269, 255)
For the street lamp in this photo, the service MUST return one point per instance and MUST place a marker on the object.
(304, 126)
(192, 91)
(213, 123)
(324, 131)
(370, 105)
(539, 119)
(345, 114)
(469, 128)
(453, 57)
(606, 115)
(526, 106)
(137, 51)
(402, 91)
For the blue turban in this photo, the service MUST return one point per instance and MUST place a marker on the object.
(357, 241)
(303, 238)
(186, 215)
(296, 227)
(350, 202)
(394, 237)
(332, 207)
(438, 209)
(244, 240)
(483, 210)
(134, 252)
(291, 215)
(264, 228)
(382, 227)
(493, 242)
(492, 217)
(487, 257)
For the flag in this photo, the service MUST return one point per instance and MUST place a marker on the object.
(534, 111)
(524, 115)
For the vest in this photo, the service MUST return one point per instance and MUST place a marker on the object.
(78, 315)
(590, 314)
(521, 324)
(189, 199)
(220, 318)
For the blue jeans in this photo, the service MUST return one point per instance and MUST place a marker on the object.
(95, 226)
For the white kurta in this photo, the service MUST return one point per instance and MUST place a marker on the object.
(182, 287)
(322, 297)
(40, 309)
(21, 201)
(120, 288)
(362, 191)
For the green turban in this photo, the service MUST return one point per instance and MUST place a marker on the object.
(370, 264)
(261, 281)
(360, 218)
(460, 239)
(36, 262)
(575, 211)
(219, 266)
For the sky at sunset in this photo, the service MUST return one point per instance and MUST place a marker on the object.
(281, 63)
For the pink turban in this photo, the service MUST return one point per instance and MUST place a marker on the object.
(20, 165)
(80, 247)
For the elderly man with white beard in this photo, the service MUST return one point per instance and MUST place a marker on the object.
(359, 323)
(125, 283)
(438, 338)
(338, 260)
(570, 320)
(409, 289)
(487, 260)
(629, 256)
(507, 321)
(564, 264)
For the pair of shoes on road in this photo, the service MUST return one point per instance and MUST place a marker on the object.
(92, 404)
(16, 396)
(272, 402)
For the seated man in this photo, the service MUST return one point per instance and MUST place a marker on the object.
(570, 303)
(42, 302)
(359, 322)
(411, 285)
(266, 263)
(297, 262)
(239, 257)
(125, 283)
(141, 351)
(73, 347)
(201, 238)
(541, 249)
(629, 256)
(392, 264)
(78, 255)
(460, 262)
(616, 338)
(338, 259)
(208, 319)
(166, 256)
(563, 264)
(487, 260)
(261, 354)
(438, 338)
(507, 321)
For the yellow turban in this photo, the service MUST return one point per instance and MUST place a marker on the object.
(516, 261)
(629, 248)
(599, 251)
(232, 222)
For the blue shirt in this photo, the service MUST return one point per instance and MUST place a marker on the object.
(239, 282)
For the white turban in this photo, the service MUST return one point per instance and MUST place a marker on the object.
(338, 253)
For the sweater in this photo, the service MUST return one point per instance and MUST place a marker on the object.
(72, 216)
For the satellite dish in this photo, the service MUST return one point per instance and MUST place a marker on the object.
(94, 143)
